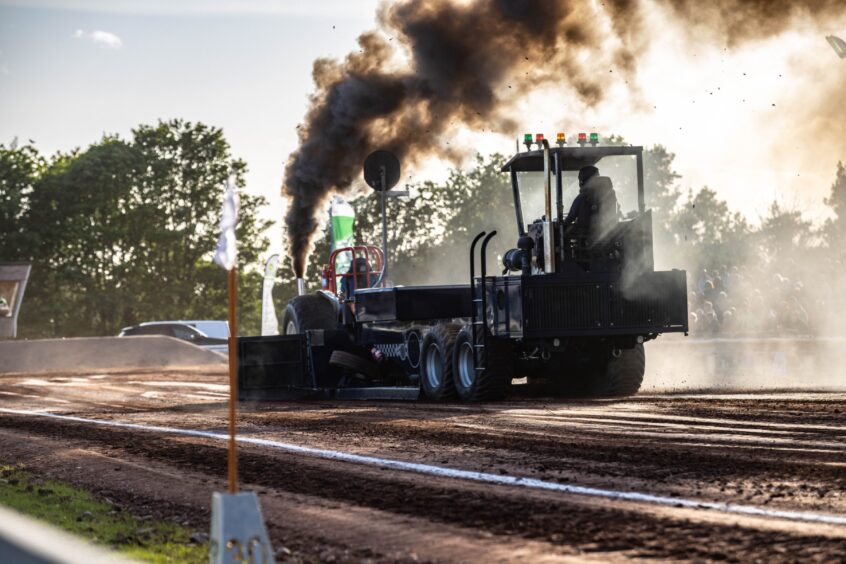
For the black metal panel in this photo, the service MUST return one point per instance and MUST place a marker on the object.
(557, 305)
(571, 306)
(659, 299)
(269, 368)
(269, 365)
(413, 303)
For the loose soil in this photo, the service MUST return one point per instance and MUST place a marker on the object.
(781, 450)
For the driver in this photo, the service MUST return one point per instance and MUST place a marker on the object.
(585, 174)
(358, 271)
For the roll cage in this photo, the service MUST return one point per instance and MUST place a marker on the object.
(564, 159)
(374, 260)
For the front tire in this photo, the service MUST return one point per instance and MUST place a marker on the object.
(355, 363)
(307, 313)
(436, 366)
(473, 385)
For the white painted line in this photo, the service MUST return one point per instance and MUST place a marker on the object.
(442, 471)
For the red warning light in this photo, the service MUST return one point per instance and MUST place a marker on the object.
(538, 137)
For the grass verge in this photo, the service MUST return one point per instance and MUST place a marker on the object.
(78, 512)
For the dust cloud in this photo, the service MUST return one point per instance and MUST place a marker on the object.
(434, 67)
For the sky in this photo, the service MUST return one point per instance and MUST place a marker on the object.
(746, 122)
(73, 71)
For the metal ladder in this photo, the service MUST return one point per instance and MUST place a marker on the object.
(479, 309)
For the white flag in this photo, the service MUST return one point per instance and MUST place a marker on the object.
(226, 254)
(269, 321)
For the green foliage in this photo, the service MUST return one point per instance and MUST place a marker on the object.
(123, 232)
(19, 167)
(782, 231)
(78, 512)
(707, 232)
(430, 232)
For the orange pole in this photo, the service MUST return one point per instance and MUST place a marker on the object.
(233, 384)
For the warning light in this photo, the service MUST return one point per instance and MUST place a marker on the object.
(538, 137)
(561, 139)
(527, 140)
(582, 138)
(594, 138)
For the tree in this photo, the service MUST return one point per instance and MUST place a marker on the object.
(124, 231)
(706, 233)
(783, 234)
(19, 167)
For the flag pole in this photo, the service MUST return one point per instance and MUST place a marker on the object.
(236, 516)
(233, 386)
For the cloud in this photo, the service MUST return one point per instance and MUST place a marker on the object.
(105, 38)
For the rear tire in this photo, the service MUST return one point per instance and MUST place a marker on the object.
(473, 385)
(620, 376)
(307, 313)
(436, 375)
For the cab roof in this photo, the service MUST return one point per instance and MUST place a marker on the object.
(569, 158)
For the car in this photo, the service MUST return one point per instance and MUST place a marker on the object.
(209, 334)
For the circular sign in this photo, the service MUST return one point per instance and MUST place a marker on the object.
(379, 161)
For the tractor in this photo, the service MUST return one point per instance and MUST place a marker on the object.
(569, 313)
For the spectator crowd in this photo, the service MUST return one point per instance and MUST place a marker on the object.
(747, 300)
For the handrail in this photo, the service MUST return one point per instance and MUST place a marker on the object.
(484, 266)
(473, 309)
(473, 259)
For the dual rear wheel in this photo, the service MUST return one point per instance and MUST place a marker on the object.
(452, 366)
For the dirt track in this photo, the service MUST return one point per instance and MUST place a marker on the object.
(777, 451)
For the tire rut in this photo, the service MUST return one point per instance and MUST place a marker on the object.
(496, 510)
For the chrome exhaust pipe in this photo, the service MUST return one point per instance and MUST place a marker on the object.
(301, 289)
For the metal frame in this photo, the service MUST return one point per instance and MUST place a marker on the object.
(480, 305)
(358, 251)
(533, 161)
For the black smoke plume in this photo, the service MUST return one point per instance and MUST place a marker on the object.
(436, 63)
(466, 62)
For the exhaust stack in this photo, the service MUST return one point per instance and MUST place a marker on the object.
(301, 287)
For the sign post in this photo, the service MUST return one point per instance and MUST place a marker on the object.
(238, 533)
(382, 172)
(233, 379)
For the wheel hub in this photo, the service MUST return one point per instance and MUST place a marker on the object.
(466, 365)
(434, 366)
